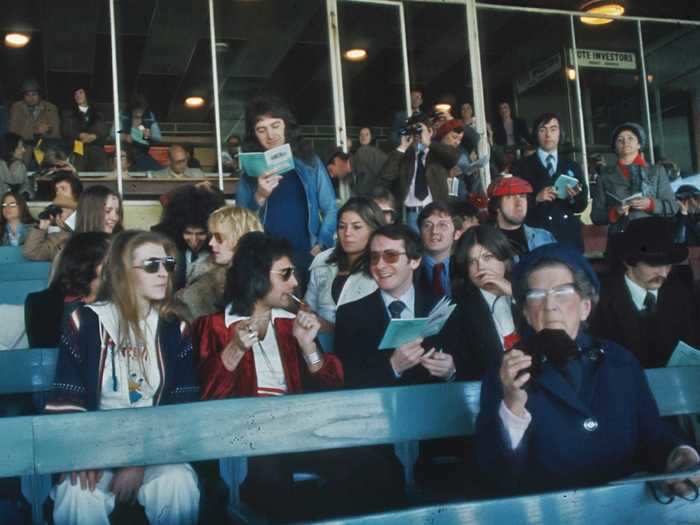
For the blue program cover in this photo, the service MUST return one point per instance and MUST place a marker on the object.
(563, 182)
(273, 161)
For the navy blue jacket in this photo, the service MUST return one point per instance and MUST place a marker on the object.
(558, 216)
(80, 365)
(624, 432)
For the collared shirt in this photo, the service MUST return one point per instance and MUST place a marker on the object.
(639, 294)
(542, 154)
(411, 200)
(269, 370)
(429, 263)
(408, 298)
(501, 313)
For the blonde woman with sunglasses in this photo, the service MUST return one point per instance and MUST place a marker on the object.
(204, 292)
(123, 351)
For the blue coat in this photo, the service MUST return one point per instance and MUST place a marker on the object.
(609, 430)
(320, 200)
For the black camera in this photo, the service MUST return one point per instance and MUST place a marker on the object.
(411, 129)
(50, 212)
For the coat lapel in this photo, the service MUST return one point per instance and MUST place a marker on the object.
(552, 381)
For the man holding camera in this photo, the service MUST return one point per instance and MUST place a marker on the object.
(55, 227)
(418, 169)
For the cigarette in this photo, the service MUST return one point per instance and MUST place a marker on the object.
(297, 300)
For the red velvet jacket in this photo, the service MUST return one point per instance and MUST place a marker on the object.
(211, 335)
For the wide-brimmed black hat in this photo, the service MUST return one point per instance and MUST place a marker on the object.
(651, 240)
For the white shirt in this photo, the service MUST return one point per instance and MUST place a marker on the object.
(126, 380)
(502, 315)
(639, 294)
(408, 299)
(269, 370)
(411, 200)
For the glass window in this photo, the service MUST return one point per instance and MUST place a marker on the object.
(166, 95)
(57, 66)
(673, 80)
(279, 48)
(611, 90)
(373, 82)
(526, 79)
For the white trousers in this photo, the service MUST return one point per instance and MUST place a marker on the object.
(169, 494)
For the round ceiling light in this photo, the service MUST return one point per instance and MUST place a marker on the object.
(602, 7)
(194, 102)
(356, 55)
(16, 39)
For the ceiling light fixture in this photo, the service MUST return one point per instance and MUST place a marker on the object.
(442, 107)
(602, 7)
(16, 40)
(571, 73)
(194, 102)
(356, 55)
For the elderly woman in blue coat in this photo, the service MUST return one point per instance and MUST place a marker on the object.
(572, 410)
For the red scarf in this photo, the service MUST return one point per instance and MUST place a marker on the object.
(624, 168)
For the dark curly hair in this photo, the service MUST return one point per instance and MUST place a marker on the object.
(78, 262)
(188, 206)
(248, 278)
(274, 107)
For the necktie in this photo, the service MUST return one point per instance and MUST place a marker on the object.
(550, 165)
(395, 309)
(649, 304)
(437, 280)
(421, 187)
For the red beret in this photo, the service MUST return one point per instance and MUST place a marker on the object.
(508, 185)
(447, 126)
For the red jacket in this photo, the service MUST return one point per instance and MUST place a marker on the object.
(211, 336)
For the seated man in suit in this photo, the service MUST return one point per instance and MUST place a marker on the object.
(508, 209)
(395, 255)
(545, 208)
(641, 308)
(438, 231)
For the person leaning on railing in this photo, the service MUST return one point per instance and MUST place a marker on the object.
(123, 352)
(573, 410)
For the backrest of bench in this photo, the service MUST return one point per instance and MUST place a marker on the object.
(27, 370)
(15, 292)
(10, 254)
(16, 271)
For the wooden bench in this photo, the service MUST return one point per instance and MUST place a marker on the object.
(15, 292)
(298, 423)
(11, 254)
(27, 270)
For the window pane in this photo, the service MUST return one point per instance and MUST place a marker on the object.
(164, 59)
(531, 77)
(610, 87)
(673, 79)
(68, 54)
(279, 48)
(373, 87)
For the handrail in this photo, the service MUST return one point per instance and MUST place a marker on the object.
(260, 426)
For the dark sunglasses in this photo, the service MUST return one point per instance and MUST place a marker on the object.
(286, 273)
(389, 256)
(152, 264)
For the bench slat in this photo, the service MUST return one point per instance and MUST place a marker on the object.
(631, 504)
(27, 370)
(15, 271)
(17, 451)
(15, 292)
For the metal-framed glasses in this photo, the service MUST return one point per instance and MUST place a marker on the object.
(560, 294)
(152, 264)
(286, 273)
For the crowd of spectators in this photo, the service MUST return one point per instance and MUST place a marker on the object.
(225, 301)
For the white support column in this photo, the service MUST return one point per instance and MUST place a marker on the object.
(215, 87)
(579, 104)
(404, 58)
(645, 92)
(336, 74)
(115, 96)
(474, 50)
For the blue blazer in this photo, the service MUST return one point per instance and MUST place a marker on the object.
(609, 430)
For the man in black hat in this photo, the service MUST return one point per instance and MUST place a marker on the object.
(688, 217)
(641, 308)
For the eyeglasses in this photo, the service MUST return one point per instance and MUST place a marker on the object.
(286, 273)
(152, 264)
(560, 294)
(389, 256)
(9, 204)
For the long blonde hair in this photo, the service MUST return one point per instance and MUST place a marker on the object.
(234, 222)
(117, 282)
